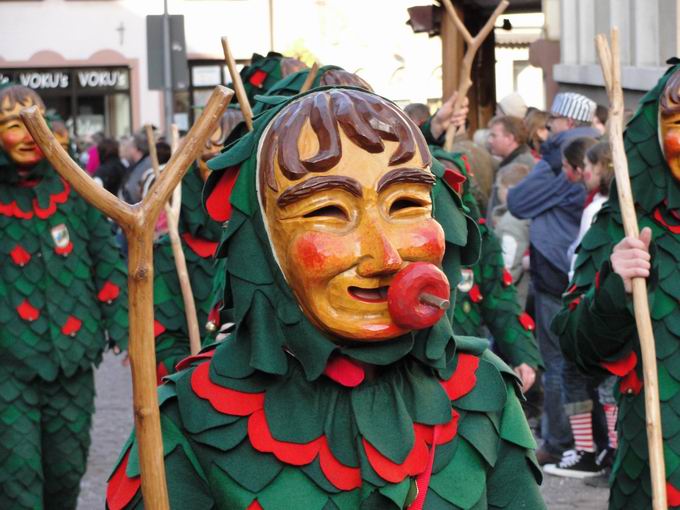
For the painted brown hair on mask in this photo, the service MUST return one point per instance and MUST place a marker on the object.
(670, 98)
(340, 77)
(365, 119)
(18, 94)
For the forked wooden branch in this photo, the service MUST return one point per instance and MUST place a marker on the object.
(237, 83)
(311, 76)
(610, 62)
(473, 45)
(172, 212)
(137, 221)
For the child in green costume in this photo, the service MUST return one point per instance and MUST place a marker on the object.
(62, 290)
(324, 396)
(596, 325)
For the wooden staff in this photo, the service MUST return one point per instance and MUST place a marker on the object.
(241, 95)
(611, 69)
(137, 222)
(172, 211)
(473, 44)
(311, 76)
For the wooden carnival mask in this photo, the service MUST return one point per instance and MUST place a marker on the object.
(669, 123)
(344, 185)
(15, 139)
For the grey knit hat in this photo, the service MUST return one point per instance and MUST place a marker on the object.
(574, 106)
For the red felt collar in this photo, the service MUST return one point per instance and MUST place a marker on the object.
(12, 209)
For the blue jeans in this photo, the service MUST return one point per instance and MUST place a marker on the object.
(555, 429)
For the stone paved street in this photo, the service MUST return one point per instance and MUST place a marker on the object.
(113, 422)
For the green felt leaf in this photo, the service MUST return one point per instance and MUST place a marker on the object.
(478, 430)
(250, 468)
(292, 490)
(462, 482)
(668, 386)
(399, 492)
(228, 493)
(489, 393)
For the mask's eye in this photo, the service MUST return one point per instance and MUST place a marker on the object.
(405, 203)
(330, 211)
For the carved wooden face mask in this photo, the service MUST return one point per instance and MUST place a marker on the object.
(341, 235)
(669, 123)
(15, 139)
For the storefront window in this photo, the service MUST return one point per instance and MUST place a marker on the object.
(88, 99)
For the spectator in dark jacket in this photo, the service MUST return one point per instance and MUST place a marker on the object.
(554, 206)
(111, 169)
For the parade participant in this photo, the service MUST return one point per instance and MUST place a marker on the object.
(263, 72)
(200, 235)
(62, 291)
(487, 295)
(596, 325)
(554, 206)
(325, 395)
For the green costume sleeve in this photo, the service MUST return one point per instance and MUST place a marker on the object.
(109, 274)
(426, 129)
(596, 325)
(500, 309)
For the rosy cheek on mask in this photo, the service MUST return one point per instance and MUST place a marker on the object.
(426, 243)
(671, 144)
(317, 252)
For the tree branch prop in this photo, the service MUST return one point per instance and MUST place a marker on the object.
(241, 95)
(137, 221)
(610, 62)
(473, 45)
(172, 211)
(311, 76)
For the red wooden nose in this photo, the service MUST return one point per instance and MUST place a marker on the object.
(418, 296)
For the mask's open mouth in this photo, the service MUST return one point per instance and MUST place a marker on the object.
(378, 295)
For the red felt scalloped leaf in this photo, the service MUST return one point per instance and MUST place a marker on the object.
(672, 494)
(190, 359)
(161, 371)
(108, 292)
(455, 179)
(481, 221)
(71, 326)
(121, 489)
(507, 278)
(446, 432)
(631, 384)
(574, 303)
(20, 256)
(475, 294)
(58, 198)
(201, 247)
(622, 366)
(342, 477)
(344, 371)
(12, 210)
(27, 311)
(466, 162)
(64, 250)
(597, 281)
(258, 78)
(526, 321)
(660, 219)
(295, 454)
(158, 328)
(414, 464)
(224, 400)
(218, 202)
(254, 506)
(463, 379)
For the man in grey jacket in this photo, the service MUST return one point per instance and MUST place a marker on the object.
(554, 206)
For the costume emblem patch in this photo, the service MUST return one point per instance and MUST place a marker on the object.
(60, 236)
(467, 280)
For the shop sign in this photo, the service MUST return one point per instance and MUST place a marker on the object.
(101, 78)
(38, 80)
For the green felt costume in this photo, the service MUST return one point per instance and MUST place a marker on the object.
(259, 421)
(263, 72)
(597, 328)
(62, 290)
(200, 235)
(486, 294)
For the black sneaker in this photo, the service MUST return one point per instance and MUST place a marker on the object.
(575, 464)
(605, 458)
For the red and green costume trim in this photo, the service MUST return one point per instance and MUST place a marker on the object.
(597, 327)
